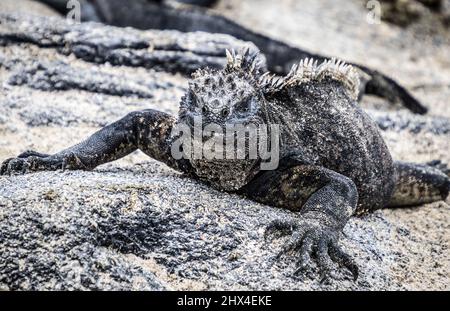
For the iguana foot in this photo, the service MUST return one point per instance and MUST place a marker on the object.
(17, 166)
(312, 240)
(32, 161)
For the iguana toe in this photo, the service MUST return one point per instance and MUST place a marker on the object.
(279, 228)
(32, 153)
(4, 167)
(343, 259)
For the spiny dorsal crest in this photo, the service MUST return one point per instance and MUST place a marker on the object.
(309, 70)
(247, 61)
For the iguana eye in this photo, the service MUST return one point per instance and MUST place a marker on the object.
(204, 109)
(225, 112)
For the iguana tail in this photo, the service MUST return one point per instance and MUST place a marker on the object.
(420, 183)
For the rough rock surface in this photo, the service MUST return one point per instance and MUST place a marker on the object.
(136, 224)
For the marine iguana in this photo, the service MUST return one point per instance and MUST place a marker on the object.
(159, 14)
(333, 161)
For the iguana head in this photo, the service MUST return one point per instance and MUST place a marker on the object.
(225, 97)
(217, 101)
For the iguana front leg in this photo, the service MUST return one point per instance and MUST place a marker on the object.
(147, 130)
(324, 200)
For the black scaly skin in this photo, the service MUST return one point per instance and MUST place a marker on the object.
(334, 163)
